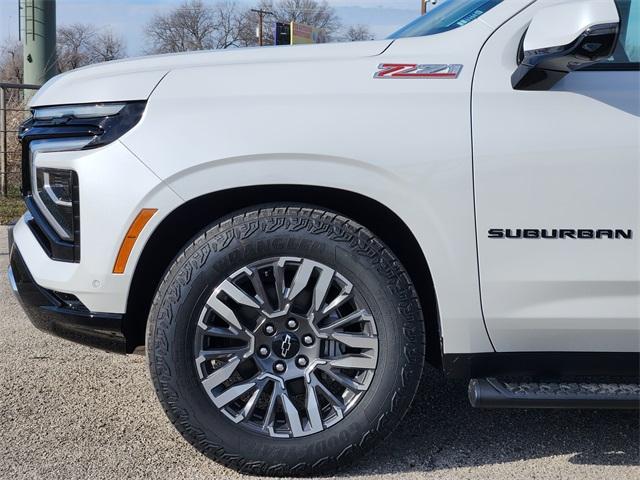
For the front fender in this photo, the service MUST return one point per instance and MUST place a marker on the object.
(330, 123)
(453, 270)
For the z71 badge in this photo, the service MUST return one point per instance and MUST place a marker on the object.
(412, 70)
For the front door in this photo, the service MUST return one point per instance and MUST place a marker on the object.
(557, 175)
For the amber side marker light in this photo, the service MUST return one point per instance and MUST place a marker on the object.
(130, 239)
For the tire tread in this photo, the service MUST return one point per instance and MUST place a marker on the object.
(242, 226)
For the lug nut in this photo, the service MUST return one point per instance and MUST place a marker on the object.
(302, 362)
(263, 351)
(307, 340)
(292, 324)
(279, 367)
(269, 329)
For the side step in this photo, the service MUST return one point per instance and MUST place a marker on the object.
(494, 393)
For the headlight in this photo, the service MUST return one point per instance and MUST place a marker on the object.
(53, 189)
(60, 129)
(78, 111)
(103, 122)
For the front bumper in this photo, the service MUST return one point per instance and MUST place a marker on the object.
(48, 312)
(114, 187)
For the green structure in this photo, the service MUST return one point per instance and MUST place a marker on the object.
(38, 30)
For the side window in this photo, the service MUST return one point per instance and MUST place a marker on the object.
(629, 48)
(627, 55)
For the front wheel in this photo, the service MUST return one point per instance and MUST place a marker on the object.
(285, 341)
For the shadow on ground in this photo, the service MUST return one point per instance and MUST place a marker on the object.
(442, 432)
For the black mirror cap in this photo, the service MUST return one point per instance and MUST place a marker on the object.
(542, 69)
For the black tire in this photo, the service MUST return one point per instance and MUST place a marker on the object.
(286, 231)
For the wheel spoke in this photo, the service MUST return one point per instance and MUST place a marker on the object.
(337, 404)
(322, 288)
(292, 414)
(354, 362)
(239, 296)
(345, 381)
(364, 342)
(251, 404)
(220, 332)
(355, 317)
(221, 375)
(232, 393)
(224, 312)
(258, 286)
(313, 409)
(301, 279)
(217, 353)
(268, 417)
(343, 297)
(278, 277)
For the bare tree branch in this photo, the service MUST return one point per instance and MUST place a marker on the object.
(357, 33)
(82, 44)
(72, 45)
(106, 46)
(195, 25)
(232, 25)
(11, 65)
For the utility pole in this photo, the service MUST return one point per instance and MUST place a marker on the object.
(38, 33)
(4, 154)
(261, 15)
(424, 5)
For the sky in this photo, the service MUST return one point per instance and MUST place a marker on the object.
(128, 17)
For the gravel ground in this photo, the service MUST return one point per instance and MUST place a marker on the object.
(69, 412)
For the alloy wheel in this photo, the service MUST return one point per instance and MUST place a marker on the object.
(285, 347)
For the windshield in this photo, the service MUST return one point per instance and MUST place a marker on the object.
(447, 16)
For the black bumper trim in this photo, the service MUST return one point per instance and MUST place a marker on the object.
(47, 313)
(56, 248)
(10, 236)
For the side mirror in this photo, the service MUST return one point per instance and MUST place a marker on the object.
(564, 38)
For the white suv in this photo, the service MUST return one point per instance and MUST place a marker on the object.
(292, 232)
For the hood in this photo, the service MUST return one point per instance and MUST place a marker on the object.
(136, 78)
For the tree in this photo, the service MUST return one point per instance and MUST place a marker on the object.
(82, 44)
(358, 33)
(106, 46)
(187, 27)
(11, 66)
(233, 25)
(72, 45)
(315, 13)
(194, 25)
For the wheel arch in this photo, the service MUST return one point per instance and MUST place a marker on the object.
(190, 218)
